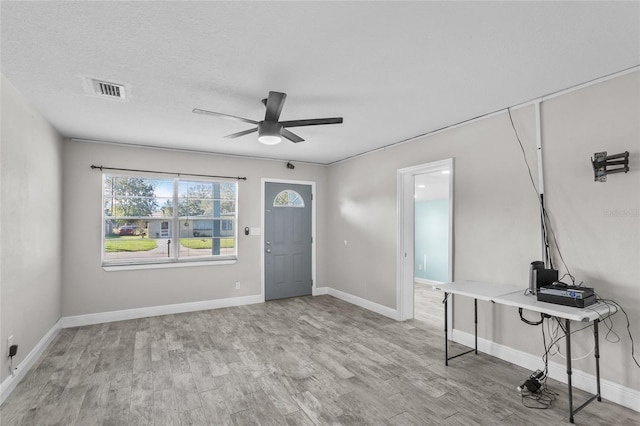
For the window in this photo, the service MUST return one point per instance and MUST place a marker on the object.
(166, 220)
(288, 198)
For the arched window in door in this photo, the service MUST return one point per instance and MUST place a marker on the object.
(288, 198)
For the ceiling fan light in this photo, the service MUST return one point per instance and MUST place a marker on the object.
(269, 133)
(270, 139)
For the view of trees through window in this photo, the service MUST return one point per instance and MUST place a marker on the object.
(142, 223)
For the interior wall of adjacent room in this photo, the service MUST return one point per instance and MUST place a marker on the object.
(496, 216)
(87, 288)
(431, 240)
(30, 225)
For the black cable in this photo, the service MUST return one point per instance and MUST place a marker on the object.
(617, 305)
(607, 321)
(607, 316)
(545, 357)
(555, 241)
(542, 398)
(546, 221)
(557, 339)
(535, 189)
(526, 321)
(524, 155)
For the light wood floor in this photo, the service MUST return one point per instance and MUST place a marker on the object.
(302, 361)
(428, 306)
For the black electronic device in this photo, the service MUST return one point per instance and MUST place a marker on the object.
(567, 295)
(540, 277)
(535, 266)
(533, 383)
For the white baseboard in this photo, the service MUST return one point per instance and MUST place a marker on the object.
(364, 303)
(609, 390)
(153, 311)
(319, 291)
(426, 281)
(9, 384)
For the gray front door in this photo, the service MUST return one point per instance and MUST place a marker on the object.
(287, 239)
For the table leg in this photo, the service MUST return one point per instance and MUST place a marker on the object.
(446, 340)
(597, 354)
(567, 331)
(597, 396)
(475, 310)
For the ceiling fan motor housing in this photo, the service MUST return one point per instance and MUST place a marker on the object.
(269, 132)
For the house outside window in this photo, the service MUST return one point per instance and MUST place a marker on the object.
(149, 219)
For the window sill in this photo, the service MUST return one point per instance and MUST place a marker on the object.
(111, 268)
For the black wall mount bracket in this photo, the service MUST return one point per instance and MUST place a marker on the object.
(604, 164)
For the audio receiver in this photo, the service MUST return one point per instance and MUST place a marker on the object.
(568, 295)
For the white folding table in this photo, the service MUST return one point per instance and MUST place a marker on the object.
(510, 295)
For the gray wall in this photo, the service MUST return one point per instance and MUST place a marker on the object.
(362, 208)
(30, 225)
(598, 224)
(496, 223)
(87, 288)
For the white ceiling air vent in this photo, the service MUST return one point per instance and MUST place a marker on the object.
(108, 90)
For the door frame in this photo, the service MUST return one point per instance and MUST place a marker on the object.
(313, 229)
(406, 235)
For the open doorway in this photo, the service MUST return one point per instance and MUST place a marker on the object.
(431, 243)
(425, 228)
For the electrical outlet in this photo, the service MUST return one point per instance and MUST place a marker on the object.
(9, 343)
(237, 285)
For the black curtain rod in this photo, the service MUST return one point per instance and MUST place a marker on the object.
(166, 173)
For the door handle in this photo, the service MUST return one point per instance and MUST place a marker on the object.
(268, 250)
(268, 243)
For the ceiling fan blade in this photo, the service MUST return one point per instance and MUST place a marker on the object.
(242, 133)
(219, 114)
(311, 122)
(275, 102)
(291, 136)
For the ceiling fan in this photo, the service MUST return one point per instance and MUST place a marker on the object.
(270, 130)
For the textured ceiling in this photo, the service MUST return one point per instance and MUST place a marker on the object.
(393, 70)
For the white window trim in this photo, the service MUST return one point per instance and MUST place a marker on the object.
(173, 262)
(133, 267)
